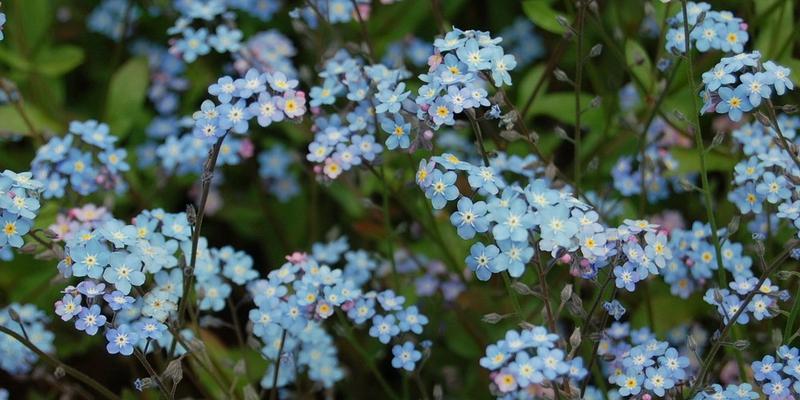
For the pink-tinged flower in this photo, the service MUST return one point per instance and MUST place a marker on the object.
(505, 382)
(88, 213)
(246, 149)
(297, 257)
(434, 61)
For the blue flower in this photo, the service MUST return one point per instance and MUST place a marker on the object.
(552, 362)
(734, 102)
(766, 369)
(384, 328)
(494, 359)
(513, 257)
(411, 320)
(391, 99)
(757, 86)
(399, 132)
(513, 221)
(442, 189)
(626, 276)
(12, 227)
(482, 260)
(125, 270)
(780, 76)
(470, 218)
(90, 319)
(68, 307)
(405, 356)
(121, 340)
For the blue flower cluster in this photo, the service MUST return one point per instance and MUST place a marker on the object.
(763, 178)
(19, 205)
(192, 42)
(274, 169)
(522, 41)
(464, 63)
(517, 217)
(760, 307)
(84, 160)
(436, 279)
(265, 97)
(167, 83)
(294, 301)
(131, 283)
(638, 363)
(111, 17)
(718, 30)
(412, 49)
(367, 93)
(738, 84)
(779, 376)
(333, 11)
(743, 391)
(28, 321)
(268, 51)
(694, 259)
(526, 359)
(660, 172)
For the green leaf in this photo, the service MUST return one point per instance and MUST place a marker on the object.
(30, 20)
(59, 60)
(12, 122)
(14, 60)
(639, 63)
(688, 161)
(561, 106)
(777, 31)
(126, 95)
(540, 12)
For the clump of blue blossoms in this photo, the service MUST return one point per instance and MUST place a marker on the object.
(295, 301)
(463, 64)
(764, 179)
(659, 166)
(276, 172)
(530, 361)
(259, 96)
(19, 206)
(522, 41)
(84, 161)
(740, 83)
(373, 95)
(709, 30)
(112, 17)
(2, 23)
(28, 321)
(777, 375)
(203, 26)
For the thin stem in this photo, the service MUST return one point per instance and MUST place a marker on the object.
(208, 174)
(153, 374)
(513, 295)
(597, 345)
(97, 386)
(551, 322)
(389, 231)
(17, 101)
(273, 393)
(367, 358)
(239, 335)
(701, 152)
(578, 81)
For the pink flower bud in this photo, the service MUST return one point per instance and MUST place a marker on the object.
(428, 134)
(566, 258)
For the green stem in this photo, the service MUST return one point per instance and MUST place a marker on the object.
(367, 358)
(701, 152)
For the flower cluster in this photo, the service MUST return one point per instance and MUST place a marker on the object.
(729, 304)
(512, 216)
(694, 259)
(268, 51)
(659, 166)
(111, 17)
(740, 83)
(192, 42)
(84, 160)
(464, 63)
(524, 360)
(367, 92)
(778, 376)
(167, 82)
(79, 219)
(294, 301)
(25, 320)
(130, 281)
(743, 391)
(764, 181)
(334, 11)
(637, 362)
(412, 49)
(274, 169)
(265, 97)
(19, 205)
(717, 30)
(522, 41)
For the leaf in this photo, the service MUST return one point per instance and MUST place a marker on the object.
(777, 30)
(30, 19)
(14, 60)
(59, 60)
(688, 161)
(639, 63)
(126, 95)
(540, 12)
(12, 122)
